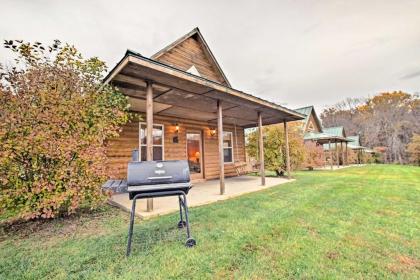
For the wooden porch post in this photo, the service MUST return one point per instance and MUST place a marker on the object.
(336, 155)
(149, 133)
(286, 142)
(221, 154)
(330, 152)
(342, 153)
(347, 156)
(261, 149)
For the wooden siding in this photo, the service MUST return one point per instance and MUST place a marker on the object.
(119, 149)
(191, 52)
(312, 122)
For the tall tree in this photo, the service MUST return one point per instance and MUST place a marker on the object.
(387, 119)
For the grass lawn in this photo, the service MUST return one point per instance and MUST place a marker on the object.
(359, 222)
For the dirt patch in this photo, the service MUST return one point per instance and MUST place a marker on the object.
(309, 228)
(385, 212)
(249, 248)
(332, 255)
(404, 264)
(84, 222)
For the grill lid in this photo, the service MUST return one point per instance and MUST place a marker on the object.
(157, 172)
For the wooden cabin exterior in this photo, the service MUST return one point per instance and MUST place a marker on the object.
(311, 123)
(119, 149)
(195, 112)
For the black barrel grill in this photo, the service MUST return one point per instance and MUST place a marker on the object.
(149, 179)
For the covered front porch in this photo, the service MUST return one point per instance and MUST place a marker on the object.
(202, 193)
(181, 110)
(335, 148)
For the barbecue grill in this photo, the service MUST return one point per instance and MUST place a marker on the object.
(148, 179)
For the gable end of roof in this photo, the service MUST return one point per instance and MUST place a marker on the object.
(194, 32)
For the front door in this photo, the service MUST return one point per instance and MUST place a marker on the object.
(195, 154)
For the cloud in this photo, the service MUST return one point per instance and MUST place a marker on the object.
(411, 75)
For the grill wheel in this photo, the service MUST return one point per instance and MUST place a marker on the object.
(190, 242)
(182, 224)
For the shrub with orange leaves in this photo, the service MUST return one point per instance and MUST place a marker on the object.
(55, 114)
(314, 155)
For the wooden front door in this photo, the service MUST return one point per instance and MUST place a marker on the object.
(195, 154)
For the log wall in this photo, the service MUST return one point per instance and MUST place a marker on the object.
(119, 149)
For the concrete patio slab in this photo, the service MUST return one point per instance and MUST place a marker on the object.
(202, 193)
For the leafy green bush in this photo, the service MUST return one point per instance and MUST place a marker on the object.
(275, 148)
(55, 116)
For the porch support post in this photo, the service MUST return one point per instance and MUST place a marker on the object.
(220, 139)
(286, 142)
(342, 153)
(261, 149)
(336, 155)
(149, 133)
(330, 152)
(347, 156)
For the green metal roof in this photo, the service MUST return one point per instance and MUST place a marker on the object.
(336, 131)
(356, 141)
(315, 136)
(306, 111)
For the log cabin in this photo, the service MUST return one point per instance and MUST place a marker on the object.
(189, 111)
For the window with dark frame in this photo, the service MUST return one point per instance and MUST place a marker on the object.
(227, 147)
(157, 136)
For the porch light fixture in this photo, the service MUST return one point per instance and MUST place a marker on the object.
(212, 131)
(176, 128)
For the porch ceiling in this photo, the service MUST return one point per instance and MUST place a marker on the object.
(180, 94)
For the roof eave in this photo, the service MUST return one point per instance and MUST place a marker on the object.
(131, 56)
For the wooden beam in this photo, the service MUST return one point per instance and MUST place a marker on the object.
(347, 156)
(286, 142)
(221, 154)
(337, 155)
(330, 152)
(138, 82)
(149, 133)
(261, 148)
(227, 91)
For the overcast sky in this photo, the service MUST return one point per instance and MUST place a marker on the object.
(295, 53)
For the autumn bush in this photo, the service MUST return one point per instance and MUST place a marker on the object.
(275, 148)
(413, 149)
(314, 155)
(55, 116)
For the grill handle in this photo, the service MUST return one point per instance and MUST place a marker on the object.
(159, 178)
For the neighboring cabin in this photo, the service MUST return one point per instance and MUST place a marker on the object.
(334, 139)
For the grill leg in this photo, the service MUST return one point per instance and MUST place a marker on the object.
(190, 241)
(181, 222)
(130, 229)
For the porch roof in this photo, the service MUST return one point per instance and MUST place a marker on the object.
(180, 94)
(325, 138)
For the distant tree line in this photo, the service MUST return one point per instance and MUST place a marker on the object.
(389, 120)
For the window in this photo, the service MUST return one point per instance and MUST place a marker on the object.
(227, 147)
(157, 142)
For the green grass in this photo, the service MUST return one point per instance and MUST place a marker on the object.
(359, 223)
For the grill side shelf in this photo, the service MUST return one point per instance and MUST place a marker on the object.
(116, 186)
